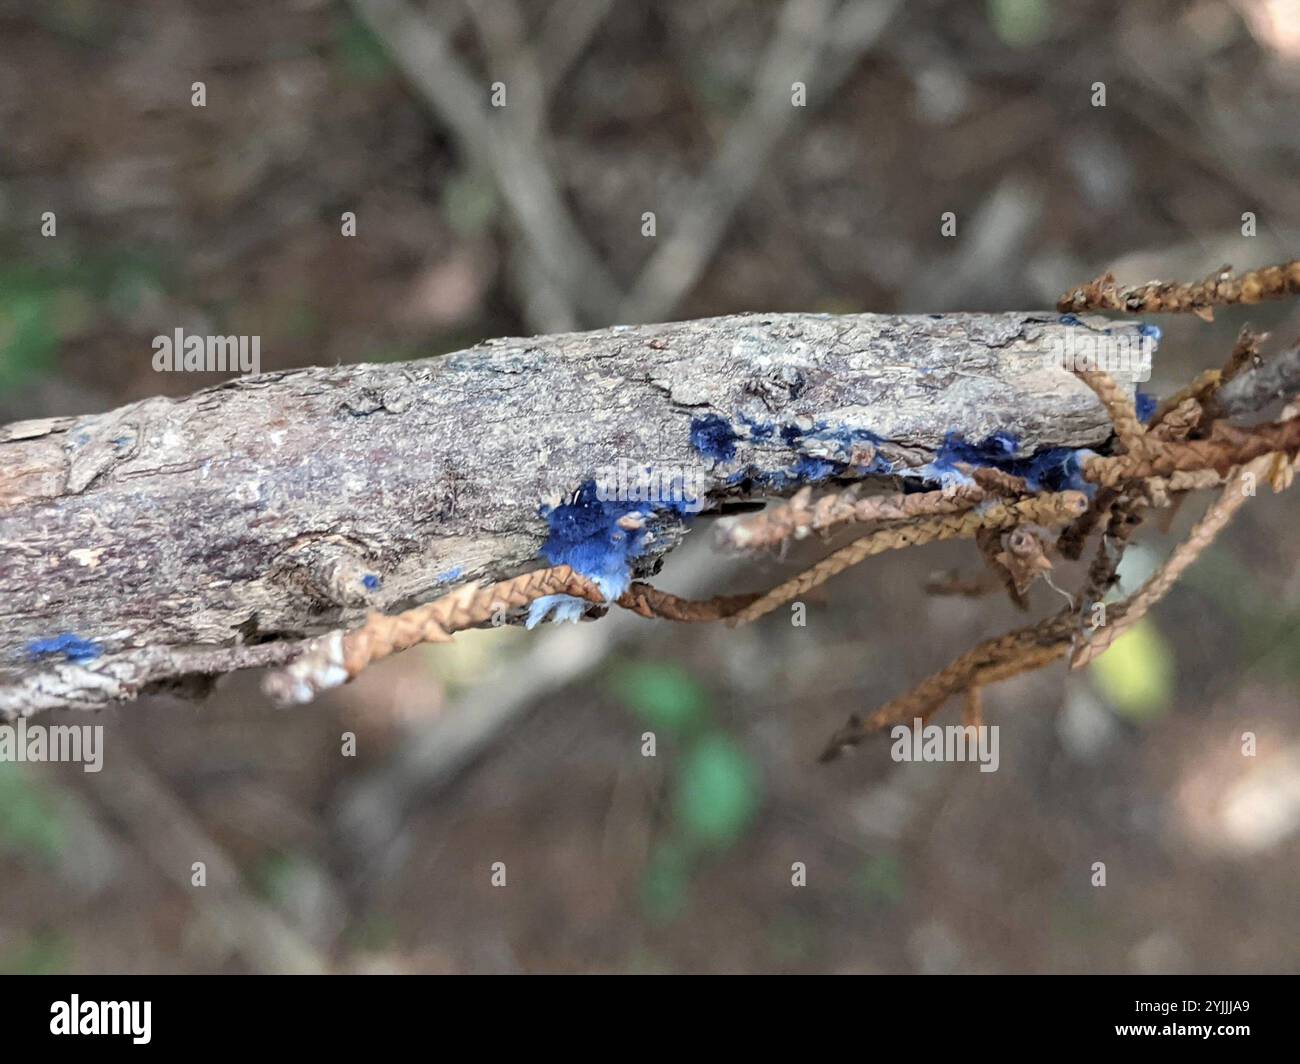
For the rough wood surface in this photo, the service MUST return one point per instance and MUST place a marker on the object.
(199, 535)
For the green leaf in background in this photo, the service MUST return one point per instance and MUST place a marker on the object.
(717, 791)
(1020, 23)
(273, 876)
(666, 882)
(375, 932)
(43, 305)
(31, 824)
(43, 953)
(28, 335)
(662, 694)
(360, 52)
(1136, 675)
(881, 880)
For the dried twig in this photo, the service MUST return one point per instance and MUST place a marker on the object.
(1119, 405)
(1219, 290)
(1046, 509)
(1227, 446)
(1161, 465)
(338, 657)
(1202, 535)
(802, 514)
(953, 584)
(651, 602)
(994, 659)
(1255, 388)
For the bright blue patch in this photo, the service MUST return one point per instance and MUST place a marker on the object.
(1070, 319)
(833, 451)
(72, 647)
(448, 576)
(371, 582)
(772, 480)
(807, 469)
(714, 438)
(585, 535)
(1151, 332)
(994, 449)
(1146, 406)
(1055, 469)
(560, 608)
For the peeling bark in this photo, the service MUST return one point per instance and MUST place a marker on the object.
(195, 536)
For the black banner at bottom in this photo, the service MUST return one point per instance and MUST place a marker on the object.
(1224, 1013)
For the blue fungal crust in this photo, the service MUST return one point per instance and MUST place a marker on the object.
(713, 438)
(823, 452)
(1146, 406)
(586, 536)
(72, 647)
(810, 470)
(1055, 469)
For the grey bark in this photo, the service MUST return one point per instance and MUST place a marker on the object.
(191, 537)
(1272, 380)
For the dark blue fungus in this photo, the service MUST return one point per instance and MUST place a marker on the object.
(72, 647)
(713, 438)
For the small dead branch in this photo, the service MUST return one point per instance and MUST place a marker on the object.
(803, 514)
(992, 660)
(1135, 608)
(341, 656)
(650, 602)
(953, 584)
(1162, 297)
(1185, 448)
(1226, 447)
(1188, 445)
(1123, 413)
(1161, 465)
(1046, 509)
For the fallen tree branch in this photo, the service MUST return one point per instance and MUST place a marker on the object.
(174, 539)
